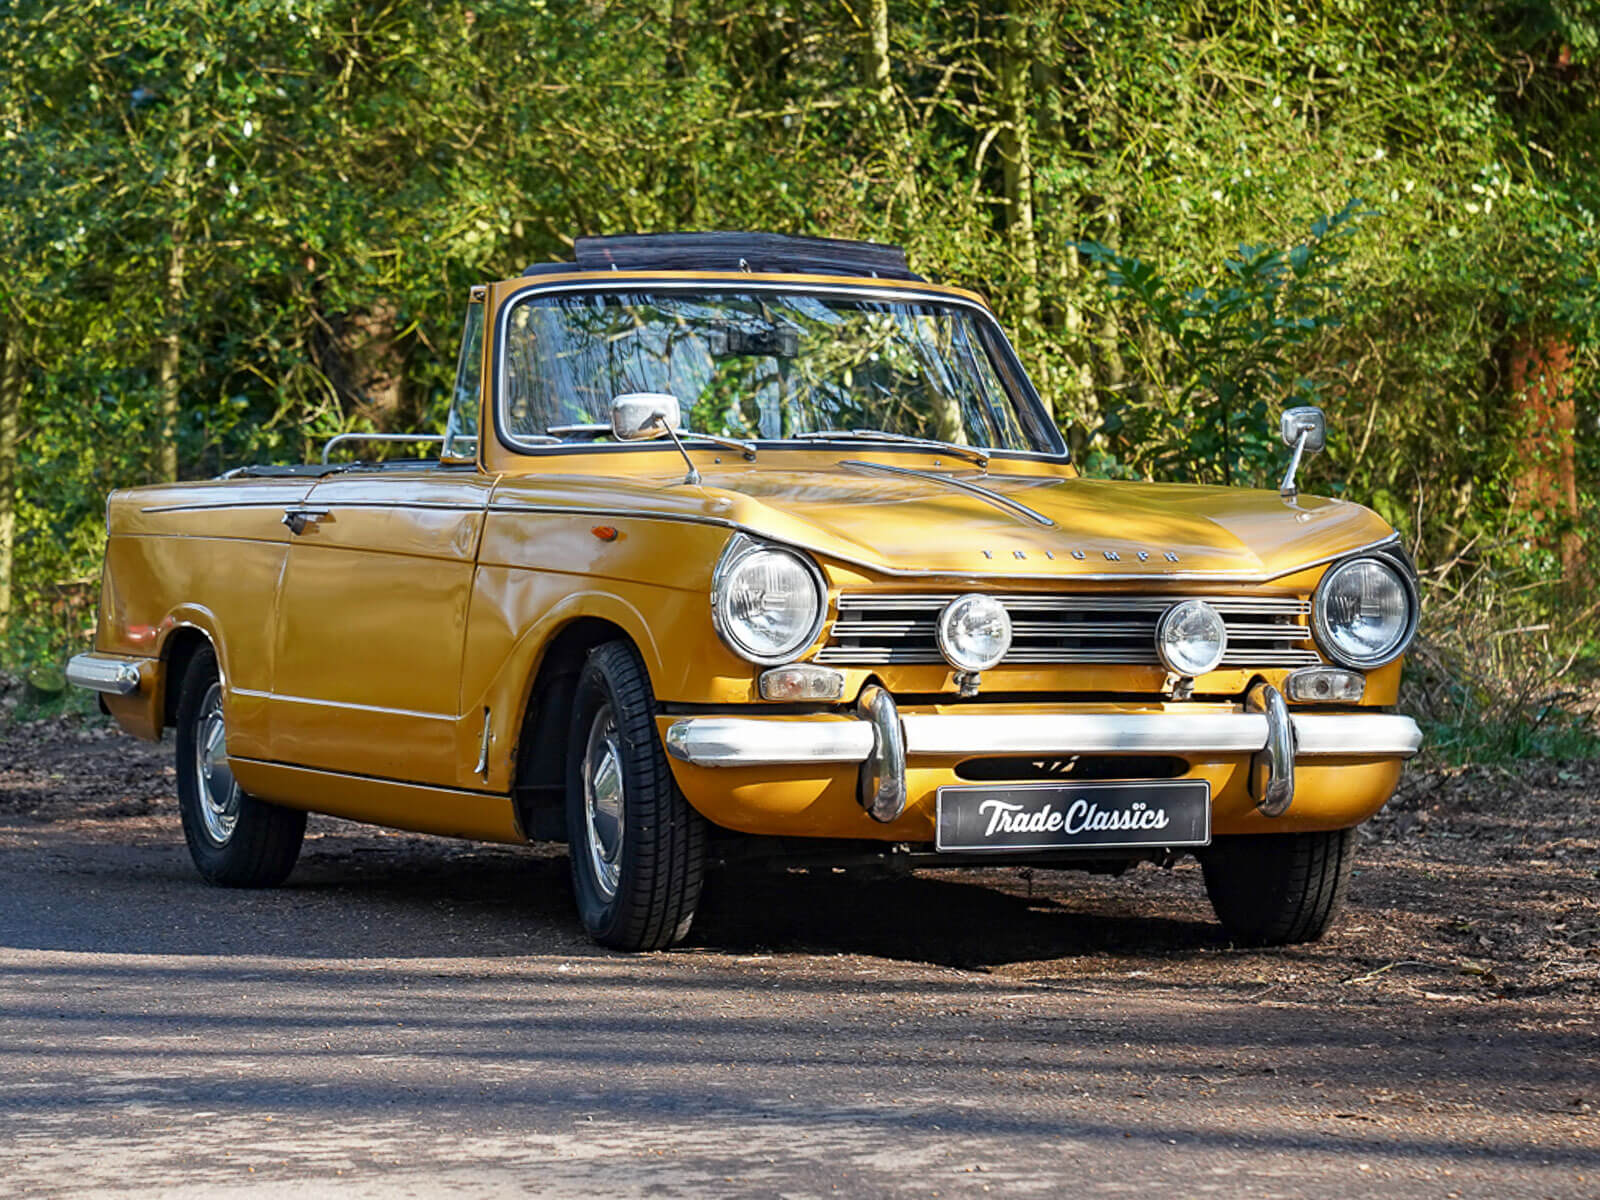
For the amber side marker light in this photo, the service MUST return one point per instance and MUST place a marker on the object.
(606, 533)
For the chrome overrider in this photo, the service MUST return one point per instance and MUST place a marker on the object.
(1264, 729)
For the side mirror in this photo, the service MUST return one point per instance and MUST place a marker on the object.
(639, 416)
(1306, 430)
(636, 416)
(1307, 422)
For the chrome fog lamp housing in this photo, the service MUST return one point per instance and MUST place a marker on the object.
(1364, 612)
(974, 633)
(767, 603)
(1191, 639)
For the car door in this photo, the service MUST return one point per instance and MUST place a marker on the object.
(371, 622)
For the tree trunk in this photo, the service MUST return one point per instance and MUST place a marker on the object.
(897, 132)
(10, 420)
(170, 361)
(677, 64)
(1541, 382)
(1016, 156)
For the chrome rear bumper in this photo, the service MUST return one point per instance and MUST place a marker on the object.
(105, 673)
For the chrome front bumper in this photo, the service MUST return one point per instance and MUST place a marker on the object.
(745, 742)
(883, 740)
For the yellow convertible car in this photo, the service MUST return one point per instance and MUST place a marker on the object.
(744, 547)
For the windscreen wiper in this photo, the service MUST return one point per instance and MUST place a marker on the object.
(883, 435)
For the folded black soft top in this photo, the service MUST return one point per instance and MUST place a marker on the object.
(766, 253)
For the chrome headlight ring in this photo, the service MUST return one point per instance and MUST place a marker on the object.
(1393, 561)
(739, 553)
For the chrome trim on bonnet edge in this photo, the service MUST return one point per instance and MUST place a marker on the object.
(743, 741)
(984, 577)
(102, 673)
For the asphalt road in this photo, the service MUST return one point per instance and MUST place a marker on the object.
(419, 1017)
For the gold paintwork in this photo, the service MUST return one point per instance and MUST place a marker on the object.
(361, 659)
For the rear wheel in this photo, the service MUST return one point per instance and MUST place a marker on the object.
(637, 848)
(1278, 889)
(234, 839)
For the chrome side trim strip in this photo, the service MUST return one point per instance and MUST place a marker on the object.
(636, 514)
(346, 706)
(104, 673)
(741, 741)
(333, 505)
(327, 773)
(1004, 503)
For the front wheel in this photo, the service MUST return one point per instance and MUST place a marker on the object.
(637, 848)
(234, 839)
(1278, 889)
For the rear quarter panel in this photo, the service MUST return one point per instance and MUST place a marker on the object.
(208, 556)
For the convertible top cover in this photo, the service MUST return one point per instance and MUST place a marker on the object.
(768, 253)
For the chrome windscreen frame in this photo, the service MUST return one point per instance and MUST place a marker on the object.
(1003, 355)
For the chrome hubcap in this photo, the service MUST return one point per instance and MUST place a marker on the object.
(217, 788)
(603, 801)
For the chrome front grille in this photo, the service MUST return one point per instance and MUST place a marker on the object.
(874, 630)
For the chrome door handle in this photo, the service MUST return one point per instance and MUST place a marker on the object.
(298, 518)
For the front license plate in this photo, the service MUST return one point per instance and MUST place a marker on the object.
(1056, 816)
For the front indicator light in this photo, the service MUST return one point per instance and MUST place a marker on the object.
(1325, 685)
(802, 682)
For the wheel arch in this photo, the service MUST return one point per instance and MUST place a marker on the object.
(540, 756)
(178, 650)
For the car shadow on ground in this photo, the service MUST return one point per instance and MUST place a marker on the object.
(943, 919)
(406, 896)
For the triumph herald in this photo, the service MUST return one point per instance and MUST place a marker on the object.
(746, 547)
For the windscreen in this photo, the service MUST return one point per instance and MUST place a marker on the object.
(756, 366)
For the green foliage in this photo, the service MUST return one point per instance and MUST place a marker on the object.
(1230, 348)
(231, 231)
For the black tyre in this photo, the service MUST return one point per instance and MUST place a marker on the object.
(1278, 889)
(637, 848)
(234, 839)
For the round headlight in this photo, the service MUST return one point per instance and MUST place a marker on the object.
(767, 604)
(1191, 638)
(974, 632)
(1364, 613)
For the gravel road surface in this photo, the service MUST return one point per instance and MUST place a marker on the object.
(414, 1016)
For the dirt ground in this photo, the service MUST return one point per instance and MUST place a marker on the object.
(417, 1014)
